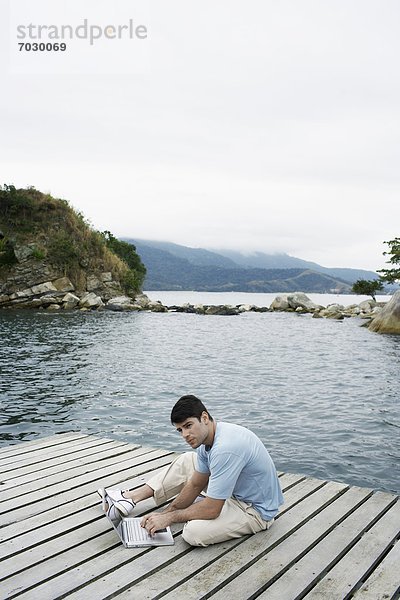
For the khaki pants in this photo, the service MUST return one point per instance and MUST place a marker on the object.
(236, 519)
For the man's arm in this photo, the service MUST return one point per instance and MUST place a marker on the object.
(189, 492)
(182, 508)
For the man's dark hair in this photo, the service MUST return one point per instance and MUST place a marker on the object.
(186, 407)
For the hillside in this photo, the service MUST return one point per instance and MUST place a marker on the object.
(258, 260)
(197, 256)
(262, 260)
(168, 271)
(43, 240)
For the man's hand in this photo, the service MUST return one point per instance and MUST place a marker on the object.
(155, 521)
(206, 509)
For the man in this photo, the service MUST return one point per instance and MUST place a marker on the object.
(242, 494)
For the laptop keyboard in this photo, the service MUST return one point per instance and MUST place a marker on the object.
(134, 531)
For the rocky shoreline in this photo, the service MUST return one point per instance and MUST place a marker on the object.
(297, 302)
(60, 294)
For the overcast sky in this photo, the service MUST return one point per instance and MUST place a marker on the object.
(269, 125)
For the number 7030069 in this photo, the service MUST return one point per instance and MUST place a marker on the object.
(42, 47)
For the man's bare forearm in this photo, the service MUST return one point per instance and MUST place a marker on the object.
(205, 509)
(186, 497)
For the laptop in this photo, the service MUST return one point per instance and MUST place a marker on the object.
(133, 535)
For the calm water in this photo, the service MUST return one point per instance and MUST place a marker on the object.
(323, 395)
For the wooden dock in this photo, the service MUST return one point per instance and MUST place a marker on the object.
(330, 541)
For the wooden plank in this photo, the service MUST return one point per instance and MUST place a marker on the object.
(27, 581)
(67, 581)
(80, 512)
(49, 449)
(327, 540)
(32, 548)
(15, 453)
(69, 543)
(61, 554)
(53, 440)
(199, 560)
(298, 493)
(256, 567)
(56, 521)
(68, 568)
(58, 458)
(128, 564)
(242, 547)
(64, 492)
(170, 577)
(288, 480)
(15, 497)
(384, 582)
(310, 567)
(42, 455)
(87, 457)
(58, 512)
(351, 569)
(86, 468)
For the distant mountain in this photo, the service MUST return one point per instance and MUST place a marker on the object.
(197, 256)
(285, 261)
(260, 260)
(174, 267)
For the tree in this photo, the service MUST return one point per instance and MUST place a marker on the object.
(127, 252)
(392, 275)
(367, 287)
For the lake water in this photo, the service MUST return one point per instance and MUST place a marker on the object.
(323, 395)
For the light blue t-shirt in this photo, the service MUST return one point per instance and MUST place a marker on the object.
(239, 465)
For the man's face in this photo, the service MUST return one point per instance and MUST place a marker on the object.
(193, 431)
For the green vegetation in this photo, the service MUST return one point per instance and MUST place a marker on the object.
(363, 286)
(369, 288)
(127, 253)
(7, 256)
(392, 275)
(38, 254)
(63, 238)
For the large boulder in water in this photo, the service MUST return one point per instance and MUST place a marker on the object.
(296, 300)
(388, 319)
(300, 300)
(90, 300)
(280, 302)
(120, 303)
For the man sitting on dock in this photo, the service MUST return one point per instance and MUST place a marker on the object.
(242, 491)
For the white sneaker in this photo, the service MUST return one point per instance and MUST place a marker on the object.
(114, 515)
(102, 493)
(118, 500)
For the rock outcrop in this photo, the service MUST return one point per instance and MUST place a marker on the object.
(388, 319)
(34, 283)
(300, 303)
(121, 303)
(48, 250)
(59, 292)
(295, 301)
(30, 279)
(280, 303)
